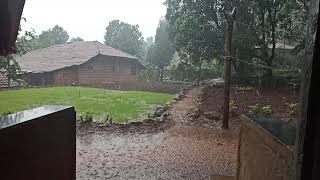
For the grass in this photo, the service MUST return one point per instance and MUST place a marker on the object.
(122, 106)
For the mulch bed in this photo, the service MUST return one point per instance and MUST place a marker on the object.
(148, 126)
(212, 101)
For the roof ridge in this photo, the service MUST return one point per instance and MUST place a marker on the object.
(117, 50)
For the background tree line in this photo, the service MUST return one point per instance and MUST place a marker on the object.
(188, 45)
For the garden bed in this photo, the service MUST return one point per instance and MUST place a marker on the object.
(276, 103)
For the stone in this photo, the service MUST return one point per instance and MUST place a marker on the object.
(212, 115)
(160, 110)
(194, 114)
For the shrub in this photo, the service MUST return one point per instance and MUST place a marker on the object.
(257, 108)
(86, 117)
(254, 108)
(266, 109)
(6, 113)
(233, 107)
(248, 88)
(292, 108)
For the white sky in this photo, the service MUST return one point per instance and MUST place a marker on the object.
(89, 18)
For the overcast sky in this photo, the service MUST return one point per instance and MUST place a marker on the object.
(89, 18)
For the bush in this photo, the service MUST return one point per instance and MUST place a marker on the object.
(6, 113)
(233, 107)
(266, 110)
(255, 109)
(149, 74)
(86, 117)
(258, 109)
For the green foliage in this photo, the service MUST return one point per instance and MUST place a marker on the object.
(254, 108)
(184, 71)
(195, 29)
(56, 35)
(76, 39)
(248, 88)
(266, 109)
(233, 107)
(257, 108)
(160, 54)
(149, 74)
(292, 108)
(30, 41)
(86, 117)
(27, 42)
(10, 67)
(6, 113)
(124, 36)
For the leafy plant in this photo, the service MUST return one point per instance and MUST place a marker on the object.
(86, 117)
(6, 113)
(292, 108)
(248, 88)
(257, 108)
(266, 109)
(254, 108)
(232, 106)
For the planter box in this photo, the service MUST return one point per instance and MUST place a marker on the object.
(38, 144)
(265, 149)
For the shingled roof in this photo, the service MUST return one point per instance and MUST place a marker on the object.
(66, 55)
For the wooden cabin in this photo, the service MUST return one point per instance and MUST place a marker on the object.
(79, 63)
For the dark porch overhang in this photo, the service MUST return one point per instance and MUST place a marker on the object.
(10, 15)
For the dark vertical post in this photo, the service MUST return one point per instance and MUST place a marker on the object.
(307, 152)
(227, 67)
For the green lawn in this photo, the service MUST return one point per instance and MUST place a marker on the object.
(120, 105)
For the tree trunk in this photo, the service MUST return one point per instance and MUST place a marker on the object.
(199, 79)
(161, 73)
(227, 68)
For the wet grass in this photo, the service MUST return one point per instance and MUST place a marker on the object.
(122, 106)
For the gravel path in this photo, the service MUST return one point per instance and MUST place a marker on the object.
(179, 152)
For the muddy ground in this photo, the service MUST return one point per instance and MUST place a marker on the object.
(188, 145)
(174, 149)
(279, 101)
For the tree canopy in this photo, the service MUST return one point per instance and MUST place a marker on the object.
(197, 30)
(125, 37)
(74, 39)
(56, 35)
(160, 54)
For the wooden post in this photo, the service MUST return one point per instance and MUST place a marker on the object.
(227, 67)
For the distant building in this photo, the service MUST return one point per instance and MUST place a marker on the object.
(79, 63)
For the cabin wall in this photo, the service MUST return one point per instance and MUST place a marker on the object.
(99, 71)
(107, 70)
(66, 76)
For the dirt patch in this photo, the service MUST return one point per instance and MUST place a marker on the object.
(279, 101)
(178, 148)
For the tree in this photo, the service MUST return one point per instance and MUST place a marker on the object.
(160, 54)
(10, 67)
(76, 39)
(196, 30)
(27, 42)
(56, 35)
(146, 46)
(125, 37)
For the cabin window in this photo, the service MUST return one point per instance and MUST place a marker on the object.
(113, 68)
